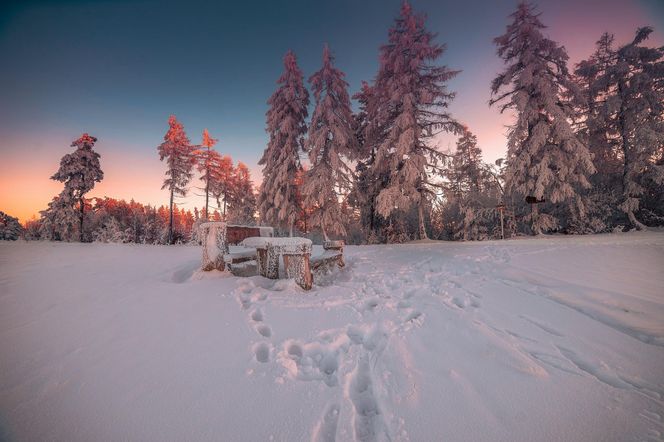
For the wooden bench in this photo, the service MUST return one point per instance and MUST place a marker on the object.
(332, 255)
(217, 236)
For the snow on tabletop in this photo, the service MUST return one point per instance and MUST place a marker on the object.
(259, 241)
(548, 338)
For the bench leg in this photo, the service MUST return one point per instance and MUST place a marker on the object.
(261, 262)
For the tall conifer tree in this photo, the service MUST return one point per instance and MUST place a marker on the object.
(545, 158)
(635, 113)
(178, 153)
(281, 159)
(330, 142)
(208, 163)
(413, 98)
(79, 171)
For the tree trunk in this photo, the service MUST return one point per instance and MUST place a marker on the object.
(626, 159)
(225, 197)
(207, 197)
(82, 215)
(170, 221)
(420, 216)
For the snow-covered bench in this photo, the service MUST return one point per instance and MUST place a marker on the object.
(218, 236)
(333, 254)
(296, 253)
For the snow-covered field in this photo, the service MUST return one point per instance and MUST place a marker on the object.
(553, 338)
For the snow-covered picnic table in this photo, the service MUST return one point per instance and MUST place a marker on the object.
(296, 253)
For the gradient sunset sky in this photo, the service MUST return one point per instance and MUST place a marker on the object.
(118, 69)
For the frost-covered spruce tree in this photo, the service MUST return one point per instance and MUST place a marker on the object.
(178, 153)
(277, 203)
(599, 134)
(596, 91)
(414, 97)
(208, 161)
(79, 171)
(370, 178)
(467, 162)
(472, 194)
(330, 142)
(545, 158)
(635, 112)
(242, 199)
(10, 228)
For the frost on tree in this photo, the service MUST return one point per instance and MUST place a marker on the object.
(370, 177)
(625, 121)
(472, 194)
(242, 198)
(277, 203)
(601, 138)
(330, 143)
(178, 153)
(10, 228)
(413, 98)
(208, 163)
(223, 178)
(545, 158)
(79, 171)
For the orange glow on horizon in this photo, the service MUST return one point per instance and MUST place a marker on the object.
(128, 174)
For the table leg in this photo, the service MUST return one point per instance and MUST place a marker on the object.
(298, 267)
(272, 264)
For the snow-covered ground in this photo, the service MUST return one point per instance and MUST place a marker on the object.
(553, 338)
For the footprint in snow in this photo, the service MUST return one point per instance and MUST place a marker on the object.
(257, 315)
(295, 351)
(326, 430)
(262, 352)
(264, 330)
(371, 304)
(412, 316)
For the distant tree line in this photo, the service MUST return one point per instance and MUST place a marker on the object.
(71, 216)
